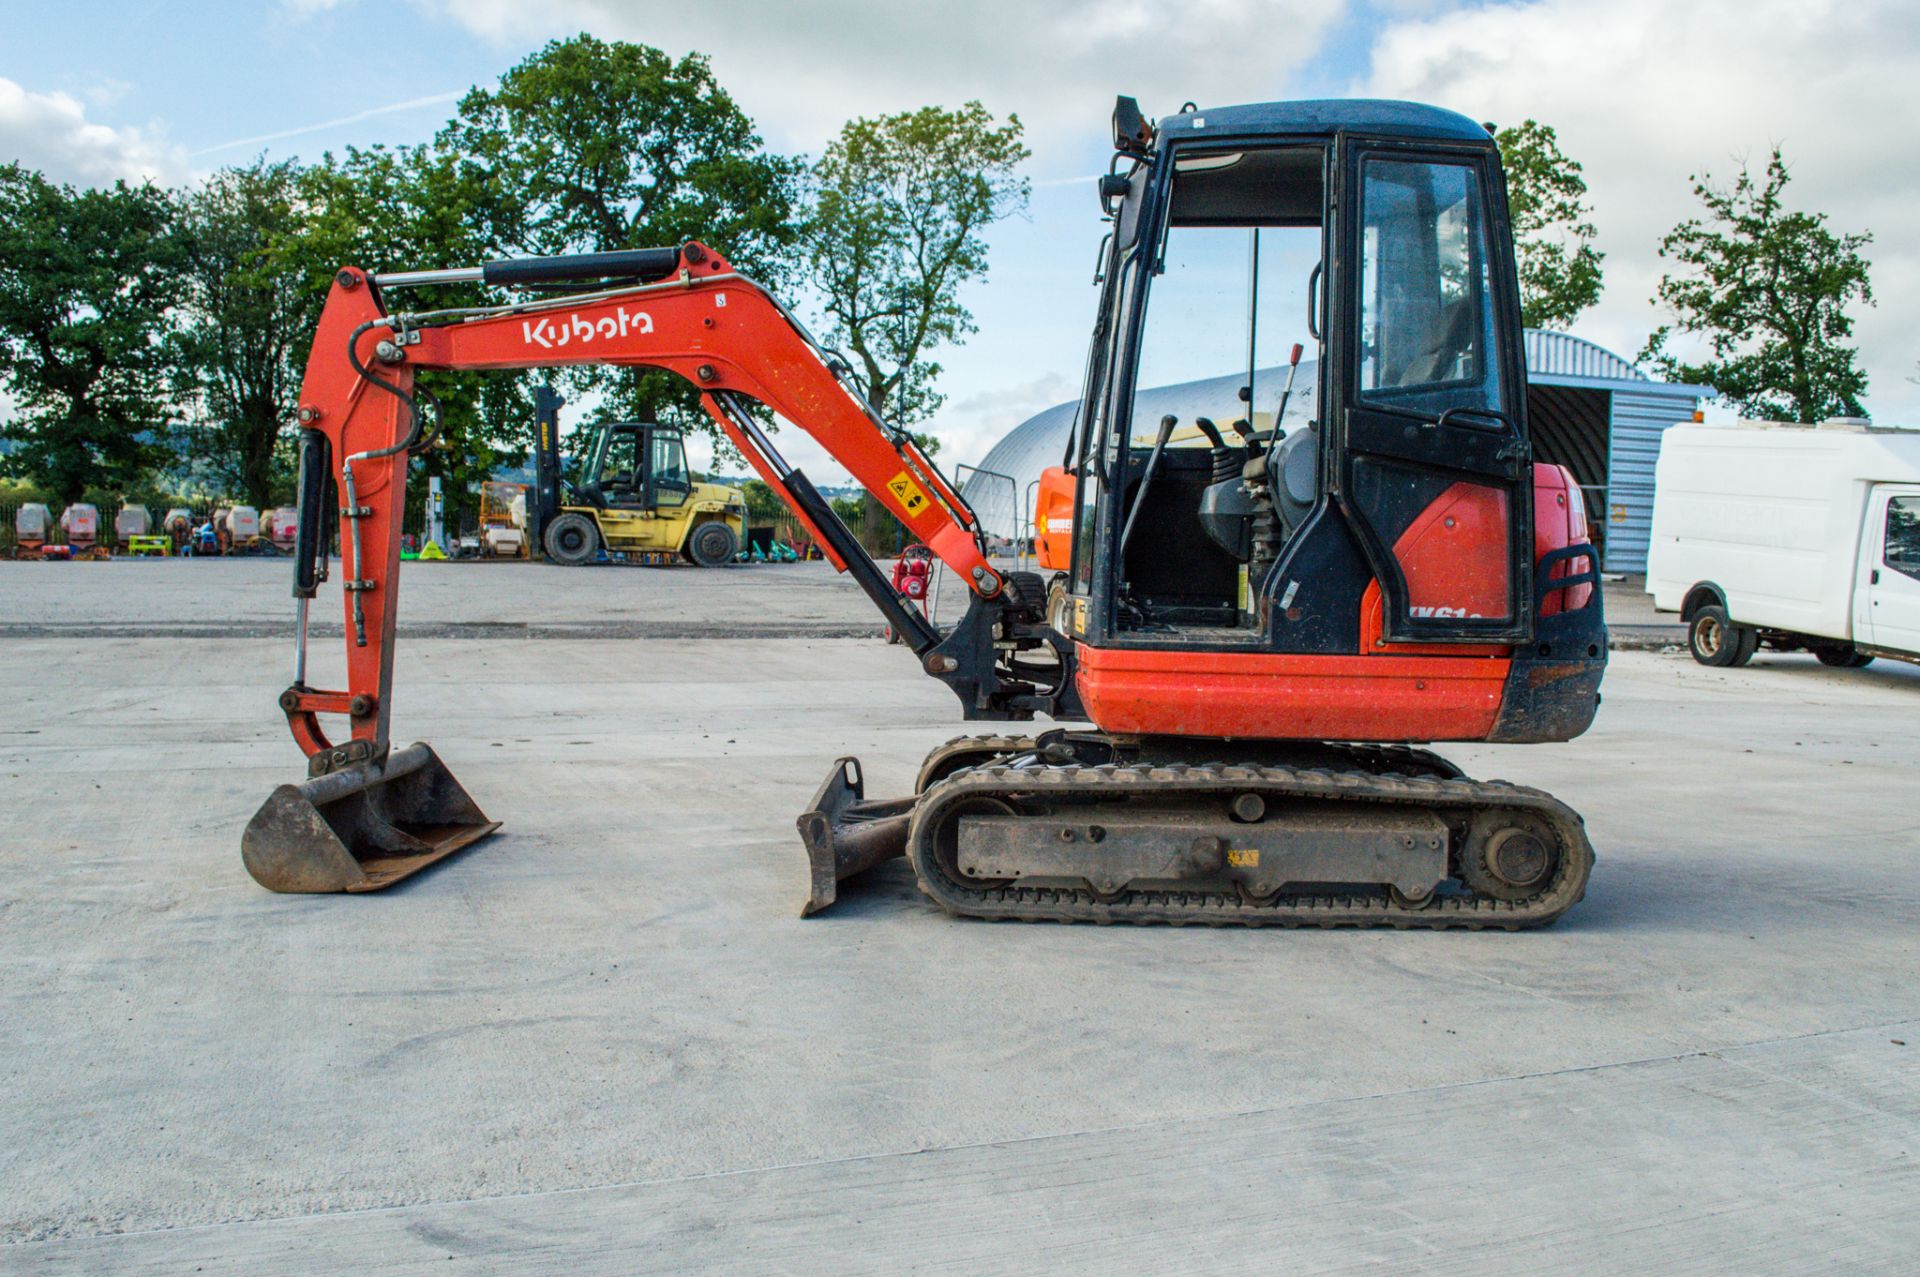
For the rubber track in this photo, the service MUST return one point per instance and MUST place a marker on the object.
(1445, 797)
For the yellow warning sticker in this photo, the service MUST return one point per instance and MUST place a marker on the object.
(1243, 859)
(910, 494)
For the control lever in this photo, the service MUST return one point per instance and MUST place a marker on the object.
(1279, 414)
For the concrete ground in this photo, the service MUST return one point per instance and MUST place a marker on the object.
(603, 1042)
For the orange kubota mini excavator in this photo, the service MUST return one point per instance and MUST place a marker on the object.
(1261, 623)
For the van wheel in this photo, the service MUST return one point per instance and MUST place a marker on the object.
(1842, 656)
(712, 544)
(1716, 641)
(571, 539)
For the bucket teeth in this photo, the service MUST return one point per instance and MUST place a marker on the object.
(363, 827)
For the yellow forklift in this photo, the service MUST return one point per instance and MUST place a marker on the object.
(635, 496)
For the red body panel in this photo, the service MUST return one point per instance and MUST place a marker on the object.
(1454, 555)
(1559, 520)
(1272, 696)
(1373, 616)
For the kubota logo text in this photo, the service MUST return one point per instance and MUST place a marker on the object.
(548, 335)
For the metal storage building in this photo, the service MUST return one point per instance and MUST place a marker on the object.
(1589, 410)
(1596, 414)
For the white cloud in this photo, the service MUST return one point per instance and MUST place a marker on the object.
(801, 70)
(51, 132)
(1646, 92)
(105, 93)
(969, 425)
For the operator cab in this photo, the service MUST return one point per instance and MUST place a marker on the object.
(1307, 382)
(636, 466)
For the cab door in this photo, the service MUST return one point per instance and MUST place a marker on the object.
(1893, 572)
(668, 483)
(1432, 468)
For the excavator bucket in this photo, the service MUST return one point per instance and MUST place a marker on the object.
(846, 833)
(362, 828)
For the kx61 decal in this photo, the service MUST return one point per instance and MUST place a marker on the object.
(547, 334)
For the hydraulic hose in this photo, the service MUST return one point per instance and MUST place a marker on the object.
(358, 584)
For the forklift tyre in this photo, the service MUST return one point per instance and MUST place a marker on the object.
(712, 544)
(571, 539)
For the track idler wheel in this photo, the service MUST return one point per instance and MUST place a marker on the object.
(1509, 855)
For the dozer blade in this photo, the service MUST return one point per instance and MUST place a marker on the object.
(362, 828)
(846, 834)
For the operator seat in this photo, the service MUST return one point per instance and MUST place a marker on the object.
(621, 490)
(1296, 484)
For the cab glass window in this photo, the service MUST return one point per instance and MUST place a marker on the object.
(669, 462)
(1232, 275)
(1426, 288)
(622, 467)
(1903, 536)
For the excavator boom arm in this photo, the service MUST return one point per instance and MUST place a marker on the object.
(704, 321)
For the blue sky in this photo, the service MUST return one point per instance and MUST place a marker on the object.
(1642, 91)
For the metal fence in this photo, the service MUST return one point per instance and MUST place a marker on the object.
(977, 483)
(413, 524)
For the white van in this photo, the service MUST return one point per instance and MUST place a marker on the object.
(1795, 537)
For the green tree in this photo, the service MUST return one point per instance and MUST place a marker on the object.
(762, 501)
(901, 204)
(590, 146)
(1553, 236)
(88, 281)
(1768, 290)
(249, 318)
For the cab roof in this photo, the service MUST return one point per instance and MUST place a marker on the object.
(1325, 116)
